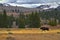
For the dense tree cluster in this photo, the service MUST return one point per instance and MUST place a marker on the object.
(20, 21)
(5, 21)
(32, 20)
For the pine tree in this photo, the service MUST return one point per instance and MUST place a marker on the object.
(21, 21)
(1, 20)
(4, 20)
(10, 21)
(34, 20)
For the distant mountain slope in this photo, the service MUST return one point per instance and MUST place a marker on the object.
(30, 7)
(31, 3)
(43, 6)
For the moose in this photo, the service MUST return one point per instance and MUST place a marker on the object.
(44, 28)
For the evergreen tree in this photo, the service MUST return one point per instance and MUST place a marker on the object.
(1, 20)
(21, 21)
(4, 20)
(34, 20)
(10, 21)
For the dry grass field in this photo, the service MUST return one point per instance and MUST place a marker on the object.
(30, 34)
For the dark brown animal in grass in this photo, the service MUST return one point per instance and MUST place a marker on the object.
(44, 28)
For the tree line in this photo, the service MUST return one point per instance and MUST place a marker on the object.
(32, 20)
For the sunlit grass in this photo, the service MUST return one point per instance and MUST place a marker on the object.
(15, 31)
